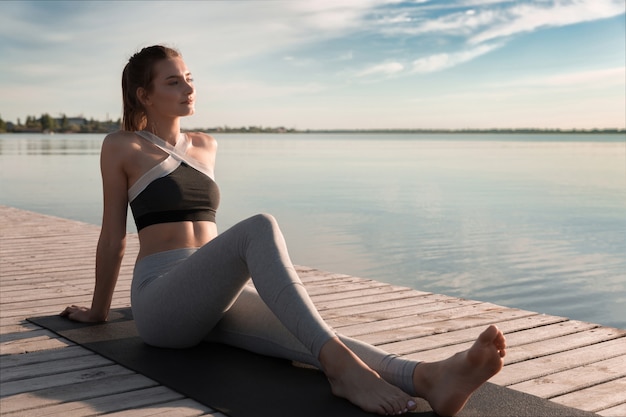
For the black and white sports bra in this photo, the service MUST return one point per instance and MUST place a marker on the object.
(179, 188)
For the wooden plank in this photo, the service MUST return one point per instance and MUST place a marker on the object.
(380, 299)
(535, 349)
(545, 365)
(108, 403)
(406, 343)
(12, 331)
(596, 398)
(425, 320)
(313, 275)
(180, 408)
(66, 378)
(33, 345)
(340, 294)
(617, 411)
(416, 314)
(124, 381)
(569, 341)
(13, 337)
(36, 370)
(38, 294)
(15, 313)
(418, 303)
(70, 352)
(21, 286)
(575, 379)
(383, 309)
(467, 336)
(341, 286)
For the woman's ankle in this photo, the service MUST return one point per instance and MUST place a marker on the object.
(334, 357)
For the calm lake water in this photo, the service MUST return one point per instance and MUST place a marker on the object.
(536, 222)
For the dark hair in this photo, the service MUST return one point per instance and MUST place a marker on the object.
(139, 72)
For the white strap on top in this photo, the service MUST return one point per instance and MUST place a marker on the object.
(179, 151)
(177, 155)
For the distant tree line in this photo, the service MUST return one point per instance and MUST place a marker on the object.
(248, 129)
(48, 124)
(471, 131)
(259, 129)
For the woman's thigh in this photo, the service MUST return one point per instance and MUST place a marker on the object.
(180, 307)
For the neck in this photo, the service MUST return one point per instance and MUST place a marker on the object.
(168, 130)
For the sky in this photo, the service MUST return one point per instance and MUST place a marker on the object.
(330, 64)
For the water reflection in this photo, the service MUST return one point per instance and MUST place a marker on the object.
(42, 144)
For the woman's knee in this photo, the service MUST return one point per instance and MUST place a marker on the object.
(264, 221)
(264, 229)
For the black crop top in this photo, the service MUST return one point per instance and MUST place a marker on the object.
(174, 191)
(185, 194)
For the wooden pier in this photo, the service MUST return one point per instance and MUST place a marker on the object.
(47, 263)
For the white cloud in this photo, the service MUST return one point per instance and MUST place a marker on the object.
(529, 17)
(609, 76)
(475, 3)
(254, 90)
(461, 23)
(439, 62)
(331, 15)
(484, 25)
(485, 20)
(596, 79)
(392, 20)
(387, 68)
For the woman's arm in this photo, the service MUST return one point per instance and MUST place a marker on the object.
(112, 241)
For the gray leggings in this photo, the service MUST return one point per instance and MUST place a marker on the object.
(184, 296)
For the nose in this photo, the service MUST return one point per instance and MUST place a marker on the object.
(190, 87)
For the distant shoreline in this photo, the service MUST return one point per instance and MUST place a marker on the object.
(80, 124)
(359, 131)
(470, 131)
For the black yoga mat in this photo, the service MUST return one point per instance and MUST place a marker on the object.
(242, 384)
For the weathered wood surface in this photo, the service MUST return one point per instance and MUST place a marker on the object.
(47, 263)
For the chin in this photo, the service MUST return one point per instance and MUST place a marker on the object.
(190, 112)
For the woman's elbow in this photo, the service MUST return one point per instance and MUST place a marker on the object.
(112, 244)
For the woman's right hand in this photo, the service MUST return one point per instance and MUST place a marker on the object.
(77, 313)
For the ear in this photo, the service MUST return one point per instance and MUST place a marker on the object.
(142, 96)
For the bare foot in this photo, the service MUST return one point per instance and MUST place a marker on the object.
(448, 384)
(353, 380)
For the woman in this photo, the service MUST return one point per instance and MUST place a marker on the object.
(189, 283)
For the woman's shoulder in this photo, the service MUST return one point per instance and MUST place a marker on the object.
(121, 139)
(202, 140)
(120, 136)
(120, 144)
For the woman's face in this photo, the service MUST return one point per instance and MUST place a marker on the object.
(173, 93)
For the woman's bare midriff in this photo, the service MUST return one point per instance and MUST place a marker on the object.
(168, 236)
